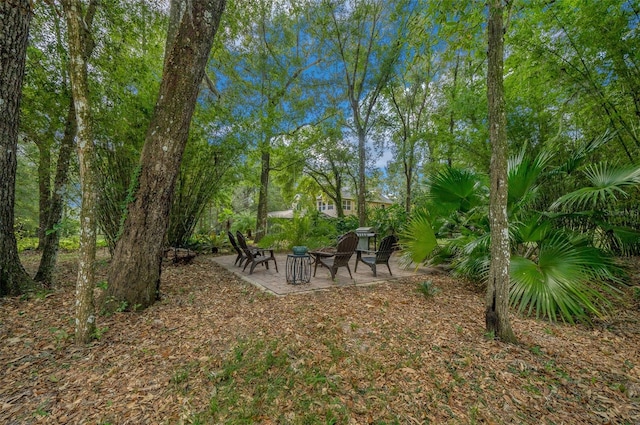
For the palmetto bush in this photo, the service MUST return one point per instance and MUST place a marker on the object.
(563, 245)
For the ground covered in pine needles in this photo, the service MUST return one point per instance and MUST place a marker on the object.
(218, 350)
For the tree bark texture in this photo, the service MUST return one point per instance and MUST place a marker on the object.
(134, 275)
(497, 298)
(44, 188)
(85, 310)
(56, 203)
(362, 182)
(15, 18)
(263, 196)
(408, 179)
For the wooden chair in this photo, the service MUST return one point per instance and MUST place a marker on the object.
(255, 257)
(344, 250)
(381, 256)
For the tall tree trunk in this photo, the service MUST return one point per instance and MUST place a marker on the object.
(362, 182)
(44, 189)
(261, 221)
(408, 176)
(134, 275)
(78, 38)
(56, 203)
(497, 298)
(452, 119)
(338, 198)
(50, 244)
(15, 18)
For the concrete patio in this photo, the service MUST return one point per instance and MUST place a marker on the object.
(276, 282)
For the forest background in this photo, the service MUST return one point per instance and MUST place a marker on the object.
(275, 99)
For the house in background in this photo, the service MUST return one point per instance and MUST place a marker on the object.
(325, 204)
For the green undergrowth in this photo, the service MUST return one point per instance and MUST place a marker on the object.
(71, 243)
(261, 380)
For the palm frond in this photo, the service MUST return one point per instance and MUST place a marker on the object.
(531, 229)
(523, 175)
(457, 189)
(582, 152)
(607, 183)
(418, 238)
(565, 282)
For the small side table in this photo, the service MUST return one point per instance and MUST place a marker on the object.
(298, 268)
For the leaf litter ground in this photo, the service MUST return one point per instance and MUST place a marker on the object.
(218, 350)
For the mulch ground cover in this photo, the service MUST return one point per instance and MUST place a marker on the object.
(217, 350)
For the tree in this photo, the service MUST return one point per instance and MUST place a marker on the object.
(54, 199)
(205, 172)
(134, 275)
(15, 18)
(279, 60)
(578, 73)
(125, 87)
(365, 38)
(328, 160)
(497, 298)
(79, 42)
(46, 99)
(410, 99)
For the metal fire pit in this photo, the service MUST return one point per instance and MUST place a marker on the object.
(365, 235)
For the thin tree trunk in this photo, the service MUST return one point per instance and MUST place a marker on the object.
(362, 182)
(497, 298)
(408, 175)
(78, 36)
(134, 275)
(56, 204)
(44, 189)
(452, 119)
(15, 18)
(261, 221)
(57, 197)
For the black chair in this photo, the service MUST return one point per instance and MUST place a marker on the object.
(381, 256)
(345, 249)
(255, 256)
(241, 257)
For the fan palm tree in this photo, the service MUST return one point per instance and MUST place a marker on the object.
(562, 262)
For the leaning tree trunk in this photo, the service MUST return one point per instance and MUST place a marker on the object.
(134, 275)
(15, 18)
(497, 298)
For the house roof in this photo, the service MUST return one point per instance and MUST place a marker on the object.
(280, 214)
(378, 198)
(288, 214)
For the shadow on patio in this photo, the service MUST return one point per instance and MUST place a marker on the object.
(276, 282)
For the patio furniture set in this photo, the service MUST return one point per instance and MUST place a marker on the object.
(298, 267)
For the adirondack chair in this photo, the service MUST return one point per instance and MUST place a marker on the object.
(255, 256)
(344, 250)
(241, 257)
(381, 256)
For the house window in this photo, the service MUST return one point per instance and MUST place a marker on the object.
(330, 206)
(346, 204)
